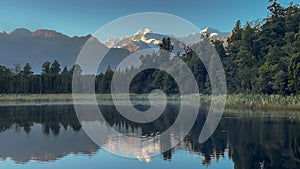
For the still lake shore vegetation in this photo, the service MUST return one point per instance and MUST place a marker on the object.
(233, 101)
(261, 60)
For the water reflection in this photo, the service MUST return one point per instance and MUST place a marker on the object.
(46, 133)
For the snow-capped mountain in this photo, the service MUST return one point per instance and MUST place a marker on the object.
(210, 32)
(142, 39)
(145, 38)
(214, 33)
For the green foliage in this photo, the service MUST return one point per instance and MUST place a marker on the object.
(27, 70)
(104, 82)
(262, 58)
(55, 67)
(46, 67)
(294, 73)
(166, 45)
(258, 58)
(4, 71)
(65, 71)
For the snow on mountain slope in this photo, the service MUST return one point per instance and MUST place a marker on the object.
(145, 38)
(211, 32)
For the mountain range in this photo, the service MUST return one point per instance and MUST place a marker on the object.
(23, 46)
(145, 38)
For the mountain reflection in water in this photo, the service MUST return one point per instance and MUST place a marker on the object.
(47, 133)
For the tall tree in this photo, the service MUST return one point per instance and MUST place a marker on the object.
(245, 60)
(294, 73)
(276, 9)
(55, 67)
(16, 69)
(65, 71)
(4, 71)
(46, 67)
(166, 44)
(273, 73)
(233, 46)
(27, 70)
(105, 84)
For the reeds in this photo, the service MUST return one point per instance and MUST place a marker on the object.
(249, 101)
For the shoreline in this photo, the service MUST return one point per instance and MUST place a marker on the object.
(233, 101)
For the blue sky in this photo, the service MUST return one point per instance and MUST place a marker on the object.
(80, 17)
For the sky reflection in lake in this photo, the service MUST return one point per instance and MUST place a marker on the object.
(51, 137)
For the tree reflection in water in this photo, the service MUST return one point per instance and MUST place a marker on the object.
(250, 142)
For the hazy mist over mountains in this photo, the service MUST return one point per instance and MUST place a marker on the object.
(21, 46)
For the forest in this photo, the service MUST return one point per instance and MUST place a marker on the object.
(259, 57)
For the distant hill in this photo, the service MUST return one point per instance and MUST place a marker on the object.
(21, 46)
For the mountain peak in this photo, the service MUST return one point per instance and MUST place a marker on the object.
(143, 31)
(47, 33)
(205, 30)
(145, 38)
(20, 32)
(214, 33)
(209, 30)
(111, 42)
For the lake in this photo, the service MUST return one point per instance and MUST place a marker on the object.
(49, 136)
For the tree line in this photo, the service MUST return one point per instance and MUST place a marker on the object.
(264, 56)
(260, 57)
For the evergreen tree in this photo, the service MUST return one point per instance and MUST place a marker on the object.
(294, 73)
(55, 67)
(105, 84)
(65, 71)
(16, 69)
(46, 67)
(4, 71)
(257, 58)
(166, 45)
(27, 70)
(246, 62)
(273, 73)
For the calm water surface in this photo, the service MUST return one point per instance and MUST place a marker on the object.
(51, 137)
